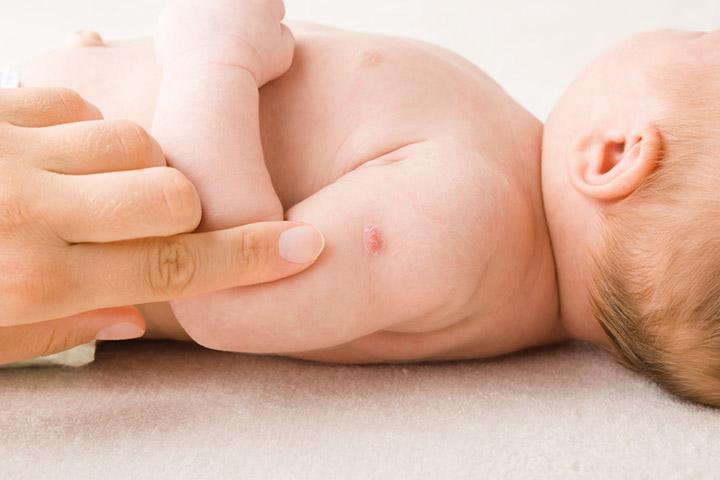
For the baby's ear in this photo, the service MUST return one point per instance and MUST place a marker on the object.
(611, 165)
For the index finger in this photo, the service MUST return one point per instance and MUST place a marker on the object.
(161, 269)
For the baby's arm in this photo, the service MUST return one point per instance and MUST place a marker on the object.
(399, 255)
(402, 255)
(215, 56)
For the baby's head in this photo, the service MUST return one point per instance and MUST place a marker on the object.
(631, 185)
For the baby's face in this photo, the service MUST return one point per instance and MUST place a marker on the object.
(592, 132)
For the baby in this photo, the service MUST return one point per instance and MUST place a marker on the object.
(423, 175)
(630, 182)
(425, 178)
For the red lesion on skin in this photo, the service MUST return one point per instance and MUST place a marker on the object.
(372, 239)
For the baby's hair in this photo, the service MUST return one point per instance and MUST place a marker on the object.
(655, 286)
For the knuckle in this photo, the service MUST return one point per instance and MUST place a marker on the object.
(171, 267)
(55, 340)
(39, 101)
(37, 288)
(24, 289)
(181, 200)
(15, 211)
(253, 250)
(67, 101)
(132, 140)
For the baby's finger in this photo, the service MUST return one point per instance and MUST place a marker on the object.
(160, 269)
(43, 107)
(92, 147)
(23, 342)
(109, 207)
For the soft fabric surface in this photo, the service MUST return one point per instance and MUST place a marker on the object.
(164, 410)
(75, 357)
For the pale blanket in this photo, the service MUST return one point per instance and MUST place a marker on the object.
(169, 411)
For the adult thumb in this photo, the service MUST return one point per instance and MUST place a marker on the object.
(23, 342)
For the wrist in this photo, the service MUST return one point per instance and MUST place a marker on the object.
(209, 84)
(243, 61)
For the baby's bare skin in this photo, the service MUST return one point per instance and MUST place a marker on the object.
(421, 173)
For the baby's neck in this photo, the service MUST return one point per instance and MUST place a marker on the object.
(539, 306)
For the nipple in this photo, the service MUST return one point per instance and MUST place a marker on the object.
(372, 239)
(84, 38)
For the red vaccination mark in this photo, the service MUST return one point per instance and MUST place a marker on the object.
(372, 239)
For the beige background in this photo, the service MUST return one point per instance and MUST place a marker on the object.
(533, 48)
(175, 411)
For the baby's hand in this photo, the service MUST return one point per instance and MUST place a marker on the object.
(215, 54)
(242, 33)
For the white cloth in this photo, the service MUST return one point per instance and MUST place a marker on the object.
(75, 357)
(9, 78)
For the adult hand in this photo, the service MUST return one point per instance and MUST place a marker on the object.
(91, 220)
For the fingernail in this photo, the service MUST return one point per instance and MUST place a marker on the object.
(121, 331)
(301, 244)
